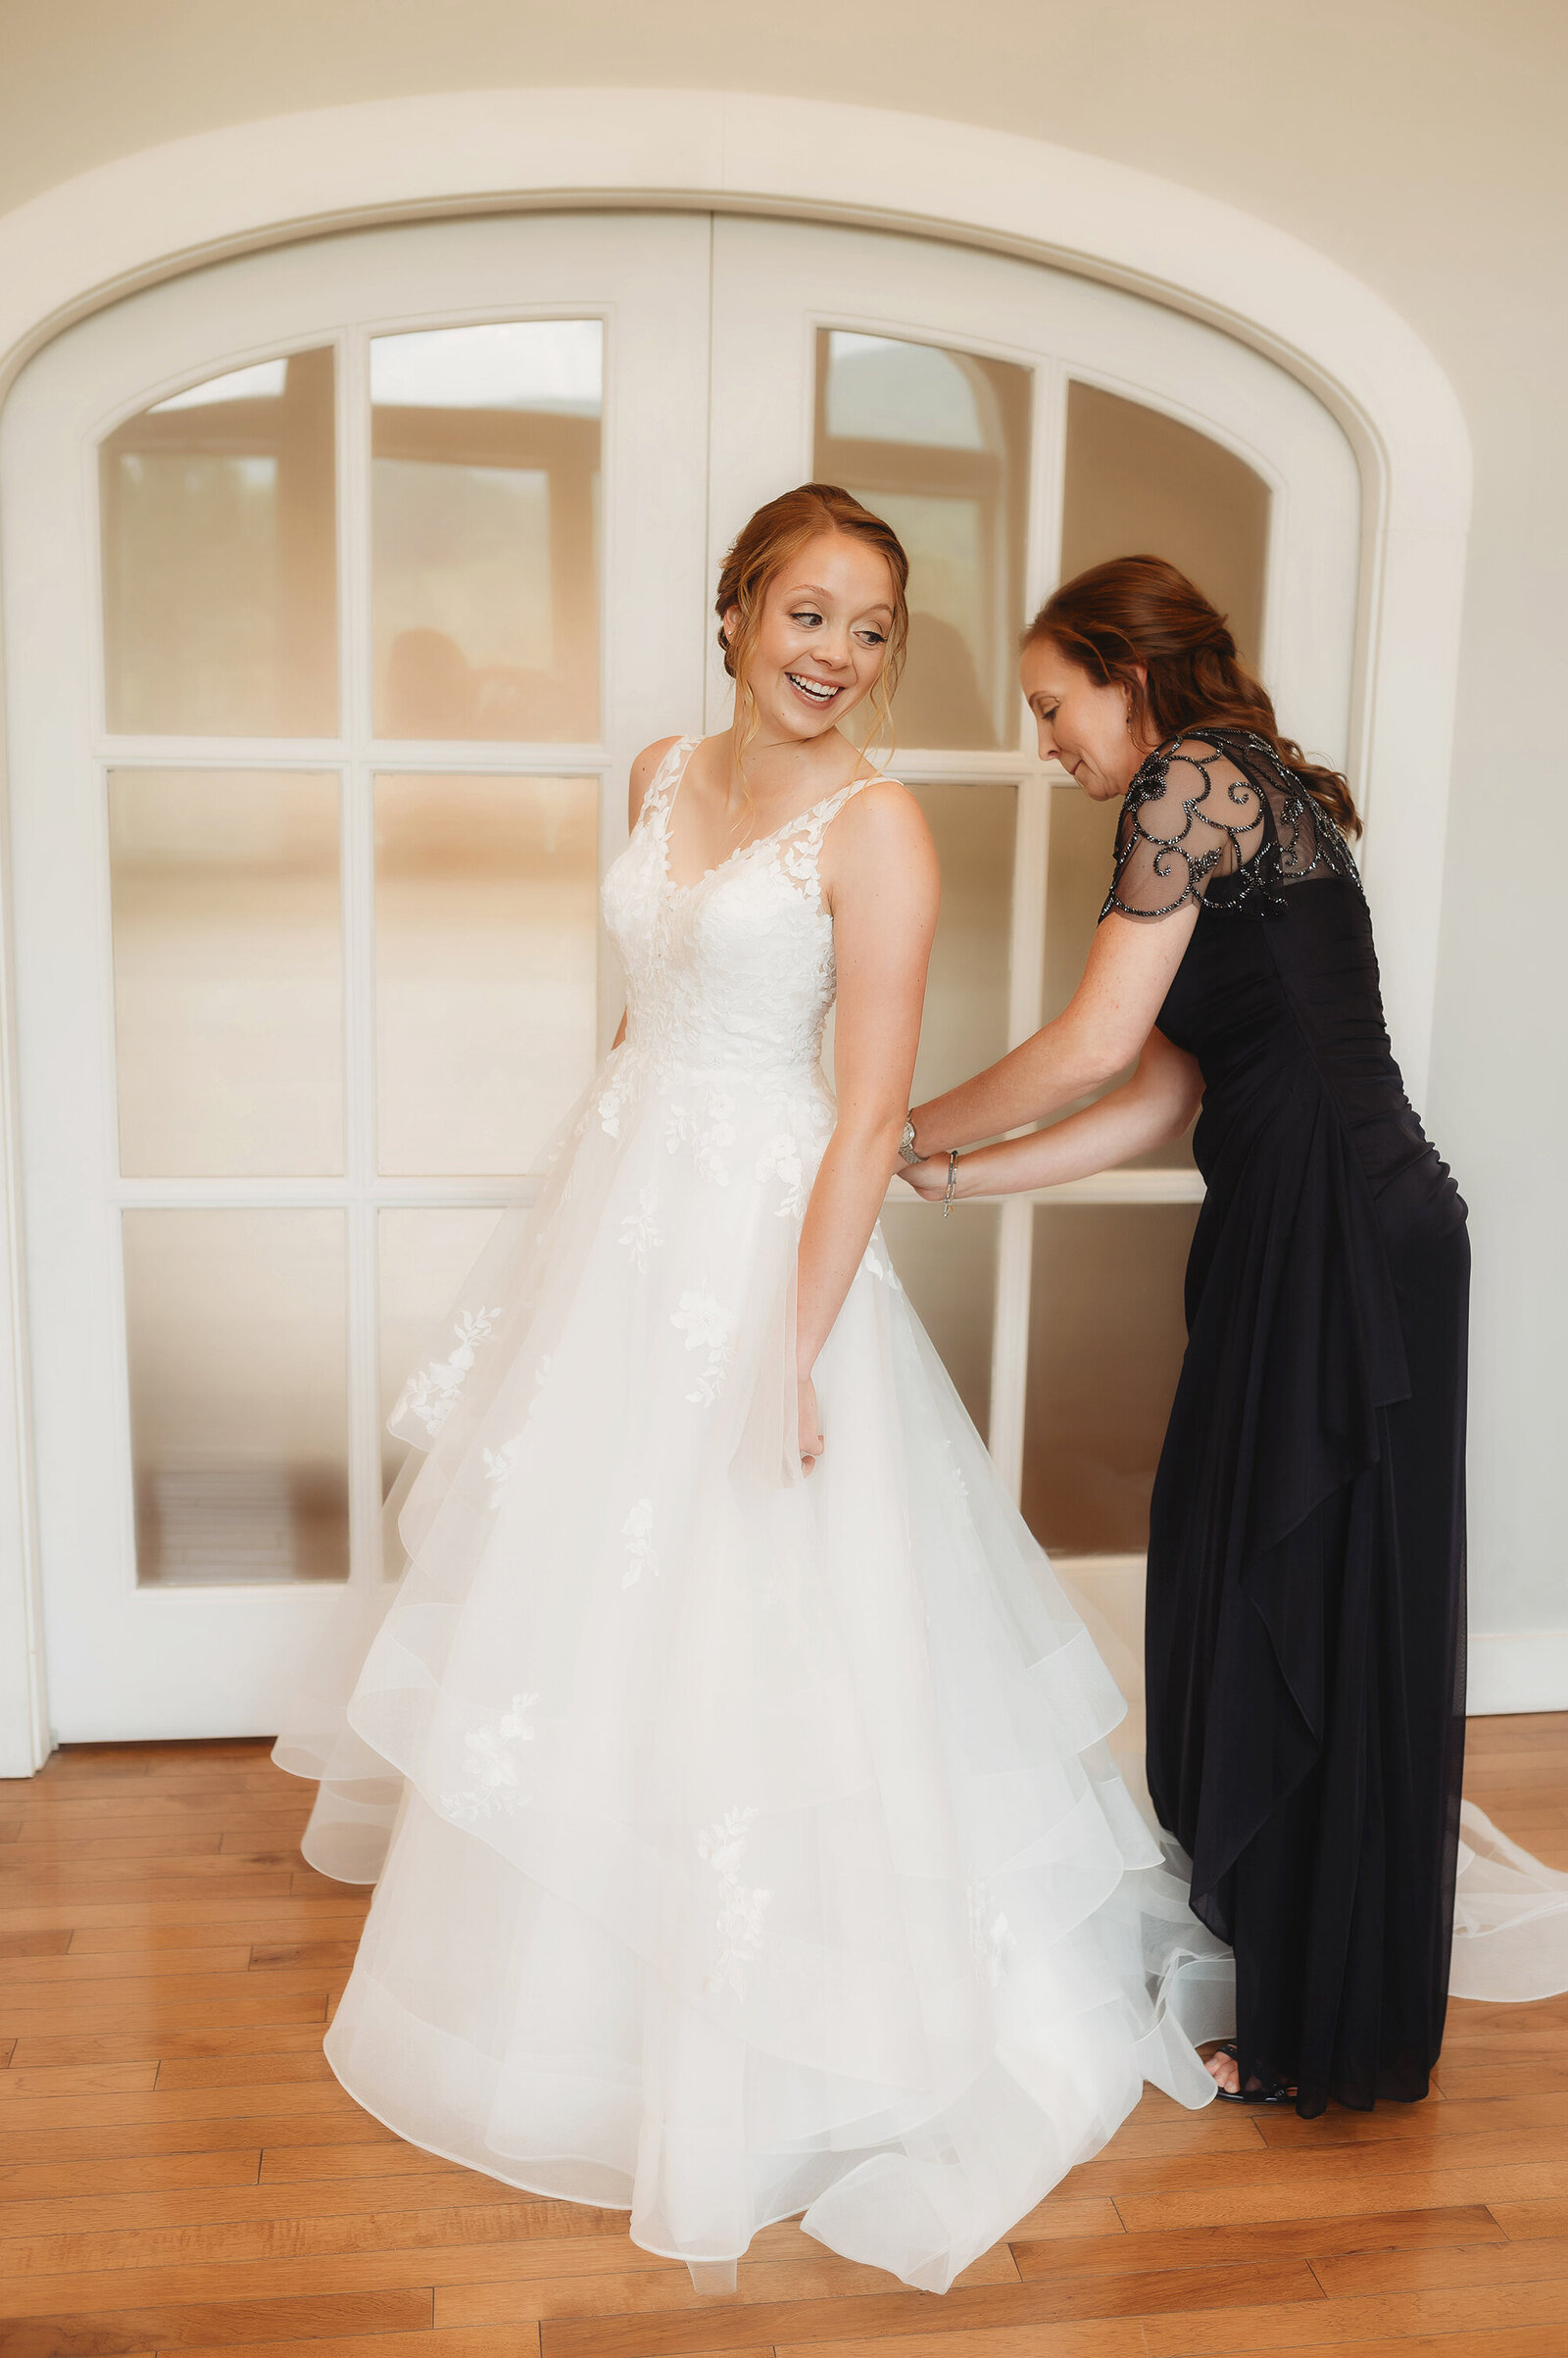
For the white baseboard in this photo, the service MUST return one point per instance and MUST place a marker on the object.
(1518, 1670)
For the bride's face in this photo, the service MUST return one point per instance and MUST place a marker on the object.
(1083, 722)
(822, 638)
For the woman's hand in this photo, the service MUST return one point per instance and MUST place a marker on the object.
(811, 1443)
(929, 1179)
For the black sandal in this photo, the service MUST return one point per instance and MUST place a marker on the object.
(1270, 2091)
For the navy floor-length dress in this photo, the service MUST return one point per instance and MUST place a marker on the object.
(1305, 1610)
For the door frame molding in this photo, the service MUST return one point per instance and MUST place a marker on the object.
(176, 207)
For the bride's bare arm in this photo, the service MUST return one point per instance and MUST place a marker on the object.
(1104, 1026)
(1153, 1107)
(879, 878)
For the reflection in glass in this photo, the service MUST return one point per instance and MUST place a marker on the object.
(229, 986)
(1106, 1336)
(485, 531)
(219, 558)
(423, 1255)
(965, 1022)
(486, 912)
(938, 442)
(236, 1337)
(948, 1269)
(1083, 843)
(1139, 480)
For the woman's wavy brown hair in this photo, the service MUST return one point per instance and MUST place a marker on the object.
(1141, 611)
(758, 554)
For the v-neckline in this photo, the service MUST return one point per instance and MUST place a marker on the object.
(666, 812)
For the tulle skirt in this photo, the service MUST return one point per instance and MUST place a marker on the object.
(754, 1845)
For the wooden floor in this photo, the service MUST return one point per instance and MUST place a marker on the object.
(178, 2171)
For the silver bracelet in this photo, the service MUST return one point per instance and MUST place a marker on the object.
(952, 1181)
(907, 1152)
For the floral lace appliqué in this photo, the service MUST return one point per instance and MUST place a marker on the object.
(741, 1912)
(641, 1555)
(433, 1391)
(640, 1232)
(494, 1773)
(781, 1160)
(707, 1327)
(500, 1465)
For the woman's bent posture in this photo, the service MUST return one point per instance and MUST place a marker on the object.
(1306, 1605)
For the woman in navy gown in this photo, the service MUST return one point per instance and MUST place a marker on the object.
(1305, 1602)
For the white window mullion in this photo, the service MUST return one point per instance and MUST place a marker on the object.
(359, 954)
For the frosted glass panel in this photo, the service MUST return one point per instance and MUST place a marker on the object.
(486, 907)
(938, 442)
(1138, 480)
(965, 1024)
(228, 985)
(236, 1339)
(1083, 841)
(219, 558)
(485, 531)
(1106, 1336)
(948, 1269)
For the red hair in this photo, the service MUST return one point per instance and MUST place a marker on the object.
(1140, 612)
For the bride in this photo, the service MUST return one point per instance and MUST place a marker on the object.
(759, 1852)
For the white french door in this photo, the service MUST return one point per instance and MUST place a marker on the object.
(342, 582)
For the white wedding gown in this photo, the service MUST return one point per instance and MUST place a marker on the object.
(756, 1849)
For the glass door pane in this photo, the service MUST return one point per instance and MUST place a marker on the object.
(219, 566)
(937, 440)
(236, 1334)
(228, 972)
(486, 953)
(485, 531)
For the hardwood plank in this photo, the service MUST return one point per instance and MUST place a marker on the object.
(455, 2244)
(161, 2105)
(1225, 2206)
(179, 2040)
(216, 2323)
(74, 2079)
(1310, 2240)
(1456, 2121)
(1209, 2333)
(35, 2289)
(37, 1846)
(1545, 2258)
(146, 2015)
(131, 1941)
(8, 2048)
(33, 1944)
(187, 2136)
(336, 1956)
(38, 2181)
(311, 2217)
(238, 2071)
(476, 2342)
(716, 2325)
(1371, 2166)
(386, 2159)
(263, 1911)
(74, 1899)
(10, 1829)
(1522, 2222)
(65, 1971)
(1110, 2338)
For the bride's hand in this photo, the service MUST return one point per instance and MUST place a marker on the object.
(811, 1443)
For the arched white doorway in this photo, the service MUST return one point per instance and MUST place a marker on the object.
(151, 215)
(385, 554)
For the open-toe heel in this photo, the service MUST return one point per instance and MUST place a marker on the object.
(1268, 2091)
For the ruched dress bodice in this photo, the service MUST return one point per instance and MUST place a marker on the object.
(1305, 1588)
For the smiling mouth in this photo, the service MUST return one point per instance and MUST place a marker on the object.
(815, 691)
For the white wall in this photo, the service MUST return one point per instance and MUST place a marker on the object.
(1418, 142)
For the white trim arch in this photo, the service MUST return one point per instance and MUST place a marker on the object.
(171, 209)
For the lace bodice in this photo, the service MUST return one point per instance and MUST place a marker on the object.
(734, 972)
(1215, 817)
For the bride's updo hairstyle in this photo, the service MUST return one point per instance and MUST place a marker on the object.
(761, 549)
(1141, 611)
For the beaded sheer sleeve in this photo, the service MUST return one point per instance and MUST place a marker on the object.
(1216, 817)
